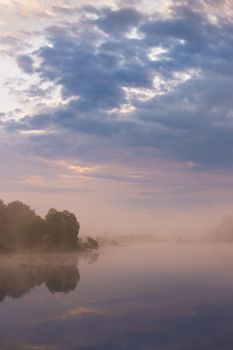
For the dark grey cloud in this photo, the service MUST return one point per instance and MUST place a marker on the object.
(25, 62)
(96, 60)
(118, 21)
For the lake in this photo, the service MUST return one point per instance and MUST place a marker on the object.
(139, 297)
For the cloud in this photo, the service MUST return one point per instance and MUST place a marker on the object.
(118, 21)
(181, 62)
(25, 62)
(188, 123)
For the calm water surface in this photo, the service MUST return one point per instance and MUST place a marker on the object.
(160, 296)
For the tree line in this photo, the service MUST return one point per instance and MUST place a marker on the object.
(22, 229)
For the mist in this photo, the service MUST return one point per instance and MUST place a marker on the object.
(97, 217)
(116, 191)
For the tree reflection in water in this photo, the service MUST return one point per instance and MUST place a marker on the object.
(18, 275)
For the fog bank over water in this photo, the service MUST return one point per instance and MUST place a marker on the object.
(98, 217)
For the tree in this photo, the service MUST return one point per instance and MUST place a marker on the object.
(22, 229)
(21, 219)
(33, 233)
(63, 229)
(92, 243)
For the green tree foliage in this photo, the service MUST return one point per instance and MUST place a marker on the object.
(89, 243)
(63, 229)
(22, 224)
(21, 228)
(92, 243)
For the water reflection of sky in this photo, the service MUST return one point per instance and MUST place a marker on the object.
(161, 297)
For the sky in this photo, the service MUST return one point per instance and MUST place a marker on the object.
(120, 111)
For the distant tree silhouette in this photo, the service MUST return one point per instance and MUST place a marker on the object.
(21, 228)
(91, 243)
(20, 218)
(63, 229)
